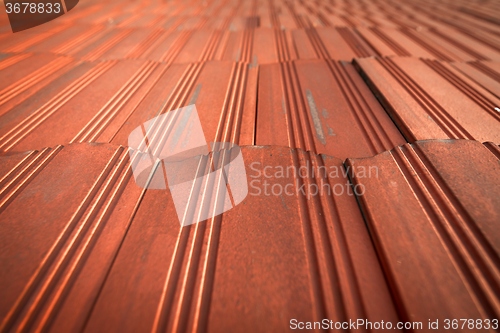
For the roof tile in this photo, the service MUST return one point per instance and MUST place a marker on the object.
(426, 99)
(322, 106)
(433, 214)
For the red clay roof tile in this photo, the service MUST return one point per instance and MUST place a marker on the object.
(427, 99)
(433, 212)
(322, 106)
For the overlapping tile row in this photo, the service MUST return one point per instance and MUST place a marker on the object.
(264, 45)
(433, 213)
(336, 114)
(94, 241)
(187, 40)
(317, 105)
(231, 28)
(105, 101)
(255, 44)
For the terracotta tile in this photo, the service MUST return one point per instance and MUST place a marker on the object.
(433, 213)
(486, 73)
(427, 100)
(323, 107)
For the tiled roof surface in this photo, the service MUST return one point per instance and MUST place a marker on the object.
(407, 90)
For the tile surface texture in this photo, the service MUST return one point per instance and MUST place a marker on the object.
(369, 132)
